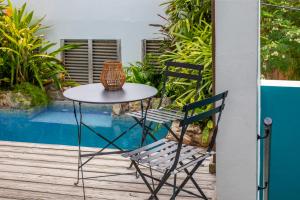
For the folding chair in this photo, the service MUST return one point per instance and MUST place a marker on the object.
(164, 115)
(172, 157)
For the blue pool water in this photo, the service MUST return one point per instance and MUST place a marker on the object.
(56, 125)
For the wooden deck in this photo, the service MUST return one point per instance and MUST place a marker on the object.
(37, 171)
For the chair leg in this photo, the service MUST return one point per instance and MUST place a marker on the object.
(196, 185)
(144, 178)
(189, 176)
(161, 183)
(174, 187)
(152, 180)
(198, 188)
(82, 180)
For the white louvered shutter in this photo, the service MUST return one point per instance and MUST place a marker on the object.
(76, 61)
(104, 50)
(153, 48)
(84, 64)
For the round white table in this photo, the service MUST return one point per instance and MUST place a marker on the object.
(95, 93)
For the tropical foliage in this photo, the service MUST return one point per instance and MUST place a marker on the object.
(280, 39)
(25, 54)
(189, 33)
(2, 7)
(183, 16)
(188, 38)
(37, 96)
(144, 72)
(195, 49)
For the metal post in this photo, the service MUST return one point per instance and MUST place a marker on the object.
(266, 158)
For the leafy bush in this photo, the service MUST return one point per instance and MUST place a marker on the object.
(280, 39)
(2, 7)
(144, 72)
(189, 34)
(36, 94)
(184, 15)
(196, 50)
(69, 83)
(24, 52)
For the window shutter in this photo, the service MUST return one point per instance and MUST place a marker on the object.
(84, 64)
(104, 50)
(76, 61)
(152, 47)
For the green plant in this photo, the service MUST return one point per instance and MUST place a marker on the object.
(25, 53)
(69, 83)
(143, 72)
(184, 15)
(2, 7)
(280, 39)
(195, 50)
(189, 34)
(36, 94)
(206, 132)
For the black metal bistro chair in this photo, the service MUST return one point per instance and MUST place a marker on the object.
(164, 115)
(172, 157)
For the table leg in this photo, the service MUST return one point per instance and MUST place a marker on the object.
(78, 140)
(79, 134)
(80, 124)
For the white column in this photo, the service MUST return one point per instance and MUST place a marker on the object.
(237, 69)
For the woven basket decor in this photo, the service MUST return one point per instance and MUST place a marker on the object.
(112, 76)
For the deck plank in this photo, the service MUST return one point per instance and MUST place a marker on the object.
(60, 161)
(111, 176)
(41, 171)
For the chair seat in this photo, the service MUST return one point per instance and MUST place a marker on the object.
(160, 116)
(160, 155)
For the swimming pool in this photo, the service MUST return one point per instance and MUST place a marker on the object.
(56, 125)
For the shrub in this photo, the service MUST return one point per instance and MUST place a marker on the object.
(280, 39)
(196, 49)
(37, 96)
(189, 33)
(24, 52)
(2, 7)
(144, 72)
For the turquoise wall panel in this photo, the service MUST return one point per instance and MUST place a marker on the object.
(282, 104)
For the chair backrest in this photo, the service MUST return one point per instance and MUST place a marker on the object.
(184, 71)
(218, 102)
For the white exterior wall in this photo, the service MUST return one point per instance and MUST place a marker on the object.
(237, 58)
(127, 20)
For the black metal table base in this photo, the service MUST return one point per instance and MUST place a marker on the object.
(80, 124)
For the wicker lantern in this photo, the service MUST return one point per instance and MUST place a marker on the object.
(112, 76)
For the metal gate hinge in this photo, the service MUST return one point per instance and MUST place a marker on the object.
(263, 188)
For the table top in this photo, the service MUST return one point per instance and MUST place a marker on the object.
(95, 93)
